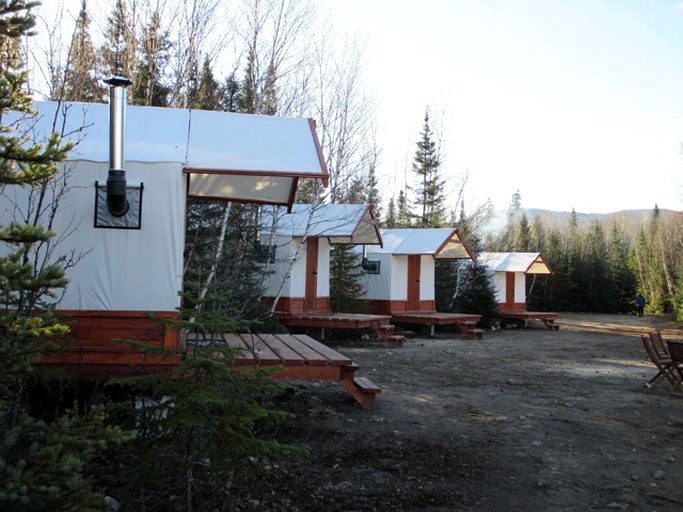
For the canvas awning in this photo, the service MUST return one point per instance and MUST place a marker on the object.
(442, 243)
(526, 262)
(227, 156)
(341, 224)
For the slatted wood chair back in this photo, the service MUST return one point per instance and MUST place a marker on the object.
(658, 343)
(662, 363)
(676, 351)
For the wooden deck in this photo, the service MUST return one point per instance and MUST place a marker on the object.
(354, 321)
(465, 322)
(547, 318)
(301, 358)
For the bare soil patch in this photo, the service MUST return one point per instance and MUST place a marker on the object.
(523, 420)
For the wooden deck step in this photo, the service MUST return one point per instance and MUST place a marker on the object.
(396, 339)
(476, 334)
(366, 386)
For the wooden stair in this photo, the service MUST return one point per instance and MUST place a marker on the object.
(469, 327)
(386, 333)
(362, 389)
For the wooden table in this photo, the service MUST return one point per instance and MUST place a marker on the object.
(301, 358)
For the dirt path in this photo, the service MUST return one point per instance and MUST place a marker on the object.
(525, 420)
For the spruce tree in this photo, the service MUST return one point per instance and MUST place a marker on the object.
(403, 216)
(119, 50)
(80, 81)
(43, 456)
(151, 87)
(390, 221)
(430, 188)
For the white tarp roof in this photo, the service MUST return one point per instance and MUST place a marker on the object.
(438, 242)
(239, 157)
(340, 223)
(526, 262)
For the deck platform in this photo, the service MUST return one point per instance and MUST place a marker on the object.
(547, 318)
(301, 358)
(354, 321)
(465, 322)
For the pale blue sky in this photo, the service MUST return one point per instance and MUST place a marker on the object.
(576, 103)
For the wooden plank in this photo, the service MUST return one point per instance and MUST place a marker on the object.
(366, 385)
(311, 356)
(330, 354)
(243, 356)
(284, 351)
(260, 350)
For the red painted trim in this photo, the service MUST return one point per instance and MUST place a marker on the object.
(388, 307)
(413, 291)
(311, 284)
(509, 289)
(319, 150)
(457, 236)
(292, 194)
(91, 349)
(253, 172)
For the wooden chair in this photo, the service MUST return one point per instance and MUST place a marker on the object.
(658, 343)
(664, 364)
(676, 353)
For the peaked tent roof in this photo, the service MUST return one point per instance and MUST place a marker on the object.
(441, 243)
(527, 262)
(341, 223)
(236, 157)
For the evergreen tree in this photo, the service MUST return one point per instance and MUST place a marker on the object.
(620, 276)
(232, 93)
(207, 95)
(430, 189)
(118, 53)
(150, 87)
(465, 287)
(522, 241)
(403, 216)
(374, 197)
(80, 76)
(391, 221)
(43, 458)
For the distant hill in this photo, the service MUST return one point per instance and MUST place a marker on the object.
(630, 220)
(633, 216)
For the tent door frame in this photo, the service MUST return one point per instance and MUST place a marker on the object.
(311, 285)
(413, 292)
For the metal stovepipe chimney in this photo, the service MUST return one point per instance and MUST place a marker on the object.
(117, 201)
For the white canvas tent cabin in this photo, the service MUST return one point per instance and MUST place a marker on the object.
(298, 285)
(131, 264)
(402, 282)
(508, 272)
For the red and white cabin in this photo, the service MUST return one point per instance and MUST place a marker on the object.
(404, 277)
(508, 271)
(125, 271)
(300, 277)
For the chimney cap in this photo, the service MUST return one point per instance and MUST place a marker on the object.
(118, 81)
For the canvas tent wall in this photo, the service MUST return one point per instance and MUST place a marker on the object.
(299, 281)
(124, 272)
(406, 264)
(508, 271)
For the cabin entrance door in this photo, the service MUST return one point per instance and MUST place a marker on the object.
(311, 291)
(509, 290)
(413, 299)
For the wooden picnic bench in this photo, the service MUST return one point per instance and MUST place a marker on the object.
(301, 358)
(547, 318)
